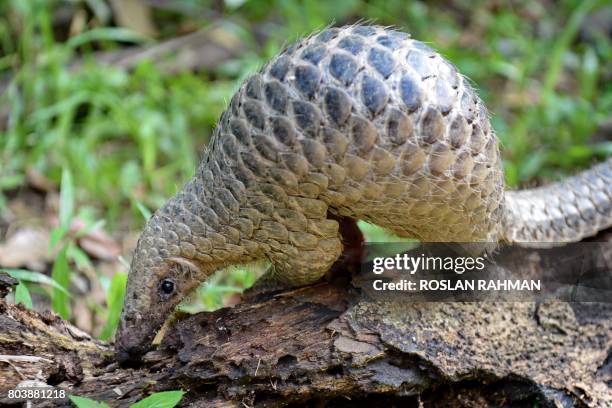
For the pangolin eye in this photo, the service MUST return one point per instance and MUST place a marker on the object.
(166, 287)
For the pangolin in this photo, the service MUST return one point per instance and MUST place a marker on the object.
(359, 122)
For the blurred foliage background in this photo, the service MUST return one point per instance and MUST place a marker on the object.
(107, 105)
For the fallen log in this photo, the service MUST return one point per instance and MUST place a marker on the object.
(328, 345)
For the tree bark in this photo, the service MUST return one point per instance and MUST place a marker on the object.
(329, 345)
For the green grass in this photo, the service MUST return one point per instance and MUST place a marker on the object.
(120, 142)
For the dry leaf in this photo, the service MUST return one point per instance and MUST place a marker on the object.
(26, 248)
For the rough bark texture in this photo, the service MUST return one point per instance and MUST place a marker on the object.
(325, 345)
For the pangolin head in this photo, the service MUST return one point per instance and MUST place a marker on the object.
(164, 269)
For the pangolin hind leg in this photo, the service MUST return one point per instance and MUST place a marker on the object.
(337, 250)
(300, 257)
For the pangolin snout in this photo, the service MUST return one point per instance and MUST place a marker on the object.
(133, 340)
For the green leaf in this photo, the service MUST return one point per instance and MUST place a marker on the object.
(224, 289)
(82, 402)
(146, 213)
(10, 182)
(562, 44)
(22, 295)
(57, 234)
(35, 277)
(166, 399)
(531, 165)
(589, 74)
(374, 233)
(107, 34)
(78, 256)
(61, 274)
(234, 4)
(66, 200)
(603, 148)
(115, 296)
